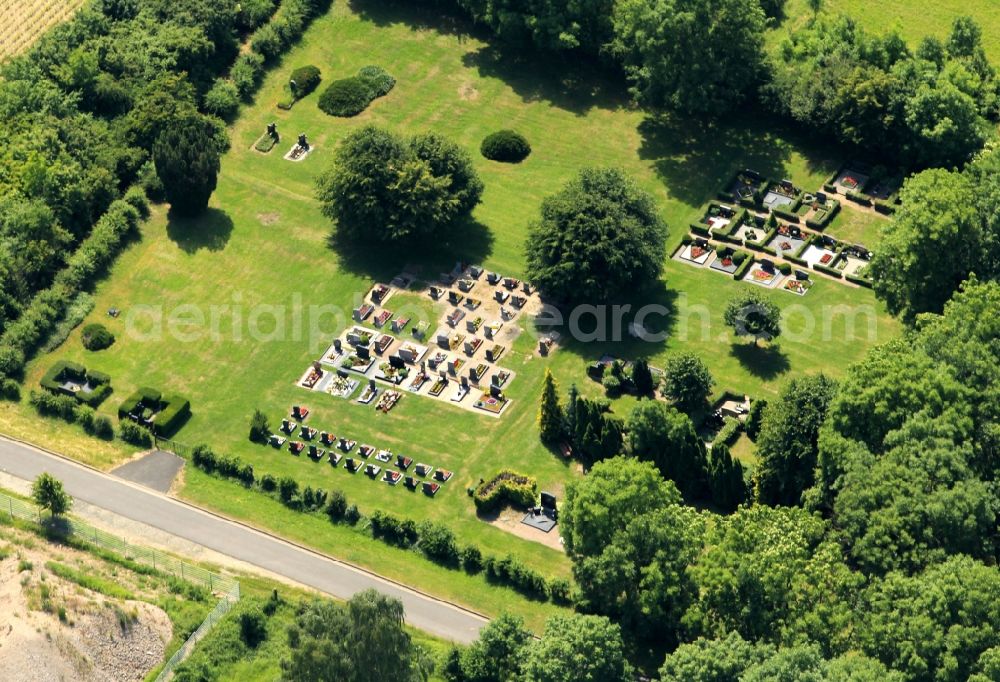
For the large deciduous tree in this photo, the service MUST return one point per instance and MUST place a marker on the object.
(751, 314)
(697, 56)
(386, 188)
(931, 246)
(578, 649)
(599, 238)
(687, 381)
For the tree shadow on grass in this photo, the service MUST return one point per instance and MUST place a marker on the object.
(696, 157)
(210, 230)
(470, 241)
(417, 16)
(592, 331)
(576, 86)
(764, 362)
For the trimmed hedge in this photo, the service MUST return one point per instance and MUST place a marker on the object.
(731, 428)
(790, 216)
(170, 418)
(378, 80)
(795, 259)
(861, 281)
(63, 370)
(306, 79)
(859, 198)
(833, 272)
(700, 229)
(827, 218)
(505, 488)
(345, 97)
(884, 207)
(742, 268)
(506, 146)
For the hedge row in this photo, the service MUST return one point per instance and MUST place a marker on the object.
(826, 219)
(859, 198)
(700, 229)
(505, 488)
(70, 410)
(742, 268)
(884, 207)
(24, 336)
(433, 540)
(833, 272)
(731, 428)
(861, 281)
(789, 215)
(63, 370)
(285, 27)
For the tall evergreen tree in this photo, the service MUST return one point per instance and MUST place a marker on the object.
(186, 156)
(550, 416)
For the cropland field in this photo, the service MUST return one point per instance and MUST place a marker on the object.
(24, 21)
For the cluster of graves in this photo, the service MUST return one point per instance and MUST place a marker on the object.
(389, 354)
(378, 464)
(771, 234)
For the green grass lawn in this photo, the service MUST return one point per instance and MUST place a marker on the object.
(858, 227)
(913, 19)
(264, 242)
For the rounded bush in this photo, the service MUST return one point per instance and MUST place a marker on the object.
(506, 146)
(345, 97)
(223, 99)
(306, 79)
(96, 336)
(377, 79)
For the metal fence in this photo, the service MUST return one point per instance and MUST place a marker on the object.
(227, 587)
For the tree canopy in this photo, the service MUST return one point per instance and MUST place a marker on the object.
(386, 188)
(48, 493)
(187, 161)
(598, 238)
(660, 434)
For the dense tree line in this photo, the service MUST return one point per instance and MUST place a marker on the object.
(878, 563)
(928, 106)
(84, 111)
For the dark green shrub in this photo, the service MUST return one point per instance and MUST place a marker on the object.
(507, 146)
(254, 13)
(755, 418)
(437, 542)
(10, 390)
(246, 73)
(306, 79)
(784, 268)
(288, 490)
(260, 430)
(336, 506)
(560, 591)
(134, 434)
(253, 626)
(95, 336)
(378, 81)
(266, 41)
(268, 483)
(11, 361)
(345, 97)
(352, 515)
(103, 428)
(52, 405)
(136, 197)
(472, 559)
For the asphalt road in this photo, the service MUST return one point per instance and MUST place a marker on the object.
(157, 470)
(235, 540)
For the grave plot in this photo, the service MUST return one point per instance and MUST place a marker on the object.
(782, 195)
(819, 255)
(787, 241)
(799, 283)
(698, 252)
(746, 186)
(727, 260)
(852, 266)
(300, 150)
(850, 180)
(764, 273)
(719, 216)
(750, 232)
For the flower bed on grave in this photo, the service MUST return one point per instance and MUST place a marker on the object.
(797, 286)
(478, 371)
(438, 387)
(490, 403)
(387, 401)
(341, 387)
(382, 343)
(356, 363)
(382, 318)
(394, 375)
(455, 341)
(311, 378)
(367, 395)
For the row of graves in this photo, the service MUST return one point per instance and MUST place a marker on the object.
(343, 452)
(271, 138)
(771, 234)
(458, 363)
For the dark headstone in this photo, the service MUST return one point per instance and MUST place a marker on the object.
(495, 392)
(302, 141)
(465, 381)
(371, 384)
(548, 501)
(363, 352)
(397, 362)
(272, 130)
(342, 373)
